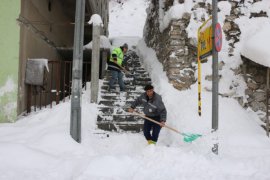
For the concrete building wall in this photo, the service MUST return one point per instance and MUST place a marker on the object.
(35, 29)
(9, 48)
(43, 28)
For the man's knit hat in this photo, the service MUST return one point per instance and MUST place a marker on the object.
(148, 87)
(125, 46)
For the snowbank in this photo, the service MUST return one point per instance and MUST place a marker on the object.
(104, 43)
(238, 128)
(132, 41)
(256, 48)
(39, 146)
(261, 6)
(127, 19)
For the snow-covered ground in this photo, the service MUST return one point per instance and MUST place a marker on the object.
(39, 146)
(127, 19)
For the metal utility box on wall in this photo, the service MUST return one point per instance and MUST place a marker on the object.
(34, 74)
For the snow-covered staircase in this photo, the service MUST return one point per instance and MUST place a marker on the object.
(113, 106)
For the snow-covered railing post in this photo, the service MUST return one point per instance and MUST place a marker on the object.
(97, 24)
(75, 116)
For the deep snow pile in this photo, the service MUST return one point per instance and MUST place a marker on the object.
(39, 146)
(127, 17)
(256, 48)
(255, 33)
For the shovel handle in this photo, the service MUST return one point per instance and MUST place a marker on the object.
(152, 120)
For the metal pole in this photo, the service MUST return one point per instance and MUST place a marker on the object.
(75, 116)
(95, 63)
(215, 81)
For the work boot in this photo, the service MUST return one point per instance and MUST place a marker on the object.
(122, 90)
(151, 142)
(111, 89)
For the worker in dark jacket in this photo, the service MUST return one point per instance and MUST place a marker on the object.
(153, 107)
(115, 65)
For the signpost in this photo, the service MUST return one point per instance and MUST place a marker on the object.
(218, 37)
(205, 39)
(210, 43)
(204, 50)
(217, 43)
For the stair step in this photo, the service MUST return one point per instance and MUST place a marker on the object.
(128, 88)
(126, 82)
(120, 118)
(115, 103)
(114, 98)
(113, 106)
(117, 92)
(112, 126)
(106, 111)
(143, 79)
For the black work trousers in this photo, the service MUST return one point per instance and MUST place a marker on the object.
(148, 126)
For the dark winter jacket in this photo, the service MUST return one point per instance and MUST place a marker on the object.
(151, 107)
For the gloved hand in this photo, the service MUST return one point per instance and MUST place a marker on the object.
(162, 123)
(131, 110)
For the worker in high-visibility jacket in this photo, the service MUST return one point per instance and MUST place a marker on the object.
(115, 66)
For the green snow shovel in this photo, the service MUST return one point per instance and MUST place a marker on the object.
(187, 136)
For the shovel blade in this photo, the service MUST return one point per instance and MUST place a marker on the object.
(190, 137)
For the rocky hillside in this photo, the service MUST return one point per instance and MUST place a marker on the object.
(171, 29)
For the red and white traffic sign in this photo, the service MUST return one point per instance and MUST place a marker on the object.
(218, 37)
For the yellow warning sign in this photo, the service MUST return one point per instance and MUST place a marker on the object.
(205, 39)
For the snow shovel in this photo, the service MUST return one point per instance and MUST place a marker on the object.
(187, 136)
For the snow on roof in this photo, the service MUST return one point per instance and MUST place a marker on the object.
(104, 43)
(256, 48)
(96, 20)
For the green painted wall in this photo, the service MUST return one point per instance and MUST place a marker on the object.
(9, 59)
